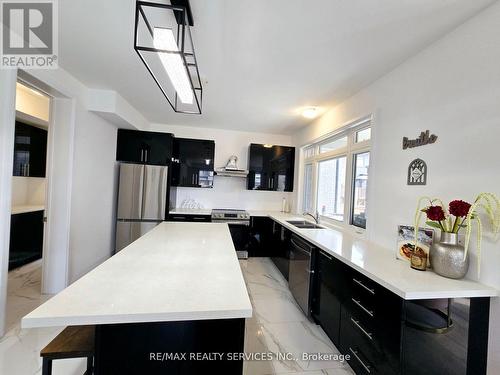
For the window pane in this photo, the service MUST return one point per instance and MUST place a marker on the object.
(358, 211)
(308, 183)
(364, 135)
(309, 152)
(333, 145)
(331, 188)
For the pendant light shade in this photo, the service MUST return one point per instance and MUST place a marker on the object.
(162, 39)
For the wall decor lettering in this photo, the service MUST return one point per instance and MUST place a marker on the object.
(425, 138)
(417, 172)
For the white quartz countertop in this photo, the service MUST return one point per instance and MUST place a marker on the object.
(26, 208)
(177, 271)
(380, 264)
(191, 211)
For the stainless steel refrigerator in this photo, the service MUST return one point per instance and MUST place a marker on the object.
(142, 201)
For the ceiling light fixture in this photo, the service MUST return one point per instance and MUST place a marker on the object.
(162, 39)
(310, 112)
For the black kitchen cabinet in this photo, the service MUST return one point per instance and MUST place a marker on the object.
(330, 292)
(152, 148)
(261, 236)
(279, 251)
(30, 151)
(193, 163)
(189, 217)
(371, 326)
(270, 167)
(26, 238)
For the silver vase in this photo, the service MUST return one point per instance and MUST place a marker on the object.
(447, 257)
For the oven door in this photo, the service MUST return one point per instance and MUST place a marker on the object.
(240, 233)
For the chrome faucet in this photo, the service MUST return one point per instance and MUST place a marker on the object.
(315, 217)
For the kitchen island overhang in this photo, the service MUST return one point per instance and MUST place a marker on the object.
(178, 289)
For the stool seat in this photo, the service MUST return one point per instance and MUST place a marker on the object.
(72, 342)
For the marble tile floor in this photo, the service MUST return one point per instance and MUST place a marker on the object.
(279, 326)
(20, 348)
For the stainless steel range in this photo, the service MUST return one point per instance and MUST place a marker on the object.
(239, 226)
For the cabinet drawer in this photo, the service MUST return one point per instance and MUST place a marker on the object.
(195, 218)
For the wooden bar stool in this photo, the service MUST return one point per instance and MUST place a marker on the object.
(72, 342)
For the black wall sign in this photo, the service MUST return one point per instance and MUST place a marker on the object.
(417, 172)
(425, 139)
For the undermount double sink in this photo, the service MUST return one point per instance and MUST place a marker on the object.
(303, 224)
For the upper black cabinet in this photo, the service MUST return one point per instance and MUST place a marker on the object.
(144, 147)
(30, 151)
(193, 163)
(270, 167)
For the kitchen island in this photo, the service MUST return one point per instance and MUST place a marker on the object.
(176, 290)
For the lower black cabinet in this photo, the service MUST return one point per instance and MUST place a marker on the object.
(279, 252)
(26, 238)
(261, 236)
(330, 275)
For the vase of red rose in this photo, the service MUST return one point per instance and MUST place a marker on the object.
(447, 256)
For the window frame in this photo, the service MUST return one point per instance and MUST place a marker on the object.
(349, 151)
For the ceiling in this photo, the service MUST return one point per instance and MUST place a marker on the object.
(261, 60)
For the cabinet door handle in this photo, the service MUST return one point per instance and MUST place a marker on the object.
(192, 179)
(28, 173)
(355, 354)
(372, 291)
(142, 154)
(364, 331)
(146, 156)
(358, 303)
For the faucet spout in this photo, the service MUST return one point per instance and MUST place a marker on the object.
(315, 217)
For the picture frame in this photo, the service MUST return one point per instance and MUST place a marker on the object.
(406, 241)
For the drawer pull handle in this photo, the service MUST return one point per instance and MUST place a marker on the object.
(358, 303)
(355, 354)
(367, 334)
(372, 291)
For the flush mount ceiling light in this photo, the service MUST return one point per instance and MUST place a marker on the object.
(310, 112)
(162, 39)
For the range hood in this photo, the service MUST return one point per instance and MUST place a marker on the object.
(231, 172)
(231, 169)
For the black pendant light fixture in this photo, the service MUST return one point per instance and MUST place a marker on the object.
(162, 38)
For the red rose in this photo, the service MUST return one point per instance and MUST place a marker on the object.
(459, 208)
(435, 213)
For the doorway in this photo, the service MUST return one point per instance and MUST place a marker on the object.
(28, 202)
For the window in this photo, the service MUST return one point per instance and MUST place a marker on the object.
(333, 145)
(358, 209)
(307, 199)
(336, 176)
(331, 188)
(363, 135)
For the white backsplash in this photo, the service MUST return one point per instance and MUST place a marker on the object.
(231, 192)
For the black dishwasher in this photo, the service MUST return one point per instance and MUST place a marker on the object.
(300, 272)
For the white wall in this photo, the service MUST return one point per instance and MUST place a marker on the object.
(229, 192)
(93, 196)
(451, 88)
(28, 191)
(7, 118)
(93, 177)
